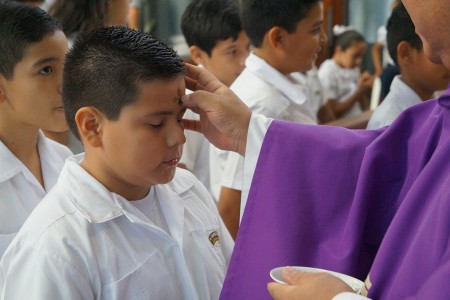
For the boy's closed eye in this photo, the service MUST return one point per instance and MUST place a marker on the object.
(231, 52)
(159, 123)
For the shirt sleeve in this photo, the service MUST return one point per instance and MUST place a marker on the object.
(34, 273)
(349, 296)
(328, 81)
(255, 137)
(233, 173)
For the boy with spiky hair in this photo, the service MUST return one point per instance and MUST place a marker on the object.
(122, 222)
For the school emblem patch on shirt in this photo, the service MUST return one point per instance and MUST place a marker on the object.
(213, 237)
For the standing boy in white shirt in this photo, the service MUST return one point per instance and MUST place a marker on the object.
(216, 40)
(32, 51)
(287, 37)
(122, 222)
(419, 78)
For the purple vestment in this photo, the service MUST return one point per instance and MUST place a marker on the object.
(356, 202)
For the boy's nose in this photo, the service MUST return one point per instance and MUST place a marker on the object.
(176, 137)
(242, 62)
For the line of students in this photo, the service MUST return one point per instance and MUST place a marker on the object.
(121, 222)
(116, 114)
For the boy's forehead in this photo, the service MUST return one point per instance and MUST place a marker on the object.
(169, 90)
(52, 44)
(314, 14)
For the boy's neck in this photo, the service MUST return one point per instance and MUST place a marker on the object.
(23, 144)
(270, 59)
(420, 90)
(94, 165)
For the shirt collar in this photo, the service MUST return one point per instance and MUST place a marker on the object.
(294, 89)
(94, 201)
(11, 165)
(408, 96)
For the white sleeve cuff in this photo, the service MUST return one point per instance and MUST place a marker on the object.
(349, 296)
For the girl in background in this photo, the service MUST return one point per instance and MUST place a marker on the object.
(345, 87)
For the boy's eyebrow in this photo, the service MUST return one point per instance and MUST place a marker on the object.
(318, 23)
(230, 46)
(45, 60)
(165, 113)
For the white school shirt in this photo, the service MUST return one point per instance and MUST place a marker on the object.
(20, 191)
(316, 98)
(399, 98)
(256, 132)
(339, 83)
(196, 152)
(84, 242)
(268, 92)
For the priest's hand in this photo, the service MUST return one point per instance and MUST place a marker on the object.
(224, 118)
(305, 286)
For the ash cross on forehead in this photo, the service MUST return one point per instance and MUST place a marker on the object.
(178, 98)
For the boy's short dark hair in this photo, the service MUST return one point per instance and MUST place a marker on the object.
(259, 16)
(21, 25)
(206, 22)
(401, 28)
(104, 67)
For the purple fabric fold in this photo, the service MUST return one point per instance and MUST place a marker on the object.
(351, 201)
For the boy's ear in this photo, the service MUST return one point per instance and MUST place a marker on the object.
(197, 55)
(275, 37)
(89, 121)
(405, 53)
(2, 89)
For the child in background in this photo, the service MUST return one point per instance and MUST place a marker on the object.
(380, 53)
(316, 99)
(419, 78)
(134, 14)
(287, 37)
(123, 222)
(81, 16)
(84, 15)
(346, 89)
(213, 31)
(32, 51)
